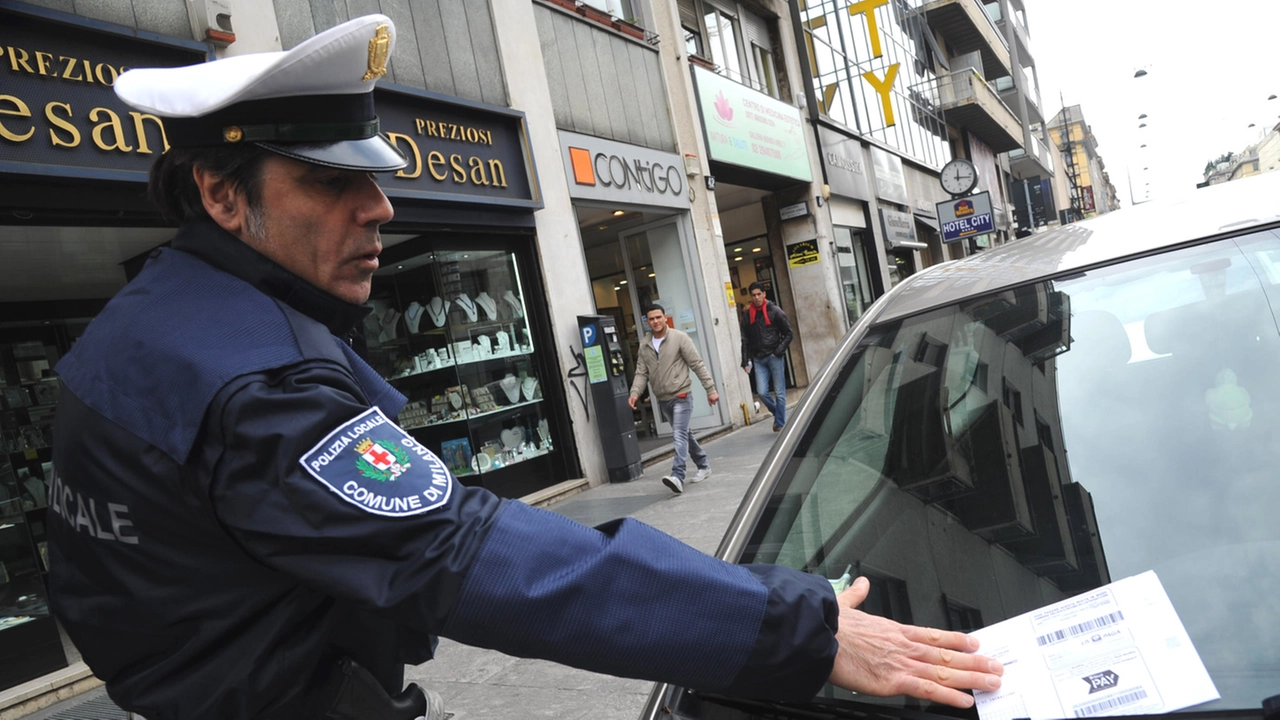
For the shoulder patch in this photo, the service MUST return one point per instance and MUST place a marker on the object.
(373, 464)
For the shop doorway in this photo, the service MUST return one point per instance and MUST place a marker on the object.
(634, 259)
(902, 265)
(751, 261)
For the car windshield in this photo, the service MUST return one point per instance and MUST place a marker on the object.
(988, 458)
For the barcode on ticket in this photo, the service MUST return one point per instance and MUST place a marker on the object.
(1102, 706)
(1084, 627)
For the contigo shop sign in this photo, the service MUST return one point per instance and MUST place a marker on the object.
(456, 150)
(58, 112)
(616, 172)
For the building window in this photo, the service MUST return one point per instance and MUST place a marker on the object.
(617, 8)
(737, 41)
(722, 42)
(961, 617)
(887, 597)
(768, 81)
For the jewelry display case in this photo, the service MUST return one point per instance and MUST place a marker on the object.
(30, 641)
(451, 330)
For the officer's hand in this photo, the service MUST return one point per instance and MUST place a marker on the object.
(713, 398)
(878, 656)
(632, 402)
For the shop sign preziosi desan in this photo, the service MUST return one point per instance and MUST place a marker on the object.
(58, 113)
(614, 172)
(750, 129)
(458, 150)
(59, 116)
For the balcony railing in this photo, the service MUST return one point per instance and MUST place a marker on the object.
(967, 27)
(970, 102)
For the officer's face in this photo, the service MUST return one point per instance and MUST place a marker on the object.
(320, 224)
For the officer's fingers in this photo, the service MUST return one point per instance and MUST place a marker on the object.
(855, 594)
(925, 689)
(941, 638)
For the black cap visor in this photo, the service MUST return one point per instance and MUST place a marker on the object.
(375, 154)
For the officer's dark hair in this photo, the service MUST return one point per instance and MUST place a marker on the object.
(173, 188)
(654, 306)
(757, 285)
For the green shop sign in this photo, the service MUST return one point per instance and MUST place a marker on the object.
(751, 129)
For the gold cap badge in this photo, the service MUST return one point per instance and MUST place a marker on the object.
(233, 134)
(378, 48)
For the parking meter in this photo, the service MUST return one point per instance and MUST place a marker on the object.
(609, 388)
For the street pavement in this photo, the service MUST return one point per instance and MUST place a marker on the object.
(483, 684)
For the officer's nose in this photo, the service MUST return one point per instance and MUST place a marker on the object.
(374, 206)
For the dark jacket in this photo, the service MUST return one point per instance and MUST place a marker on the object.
(234, 508)
(762, 338)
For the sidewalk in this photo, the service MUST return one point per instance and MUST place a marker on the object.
(486, 684)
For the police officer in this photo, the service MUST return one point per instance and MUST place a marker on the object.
(216, 551)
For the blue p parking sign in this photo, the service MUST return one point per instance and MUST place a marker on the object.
(588, 335)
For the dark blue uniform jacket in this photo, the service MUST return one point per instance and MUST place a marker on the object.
(234, 508)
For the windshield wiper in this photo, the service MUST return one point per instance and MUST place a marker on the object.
(828, 708)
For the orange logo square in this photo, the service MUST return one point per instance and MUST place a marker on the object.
(583, 174)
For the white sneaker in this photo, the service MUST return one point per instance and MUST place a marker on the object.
(702, 474)
(675, 483)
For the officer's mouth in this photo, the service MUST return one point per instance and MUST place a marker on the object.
(367, 262)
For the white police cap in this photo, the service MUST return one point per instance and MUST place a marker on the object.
(313, 103)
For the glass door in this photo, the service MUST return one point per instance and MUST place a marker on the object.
(657, 272)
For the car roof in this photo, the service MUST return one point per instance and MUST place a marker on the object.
(1142, 229)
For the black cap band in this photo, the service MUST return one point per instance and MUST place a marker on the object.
(301, 119)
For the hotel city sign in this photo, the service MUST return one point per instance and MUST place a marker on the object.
(965, 217)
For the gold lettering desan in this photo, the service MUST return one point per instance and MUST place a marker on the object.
(395, 139)
(20, 109)
(74, 135)
(112, 123)
(435, 158)
(108, 134)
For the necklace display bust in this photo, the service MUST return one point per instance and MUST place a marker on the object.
(413, 316)
(514, 303)
(528, 387)
(389, 329)
(488, 304)
(468, 306)
(437, 310)
(511, 388)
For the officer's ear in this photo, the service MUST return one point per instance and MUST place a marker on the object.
(224, 201)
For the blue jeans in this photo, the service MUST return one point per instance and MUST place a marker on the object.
(677, 411)
(770, 373)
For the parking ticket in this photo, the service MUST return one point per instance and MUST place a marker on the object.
(1115, 650)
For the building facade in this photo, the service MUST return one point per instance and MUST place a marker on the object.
(1089, 189)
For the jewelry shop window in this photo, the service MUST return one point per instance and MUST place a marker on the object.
(451, 330)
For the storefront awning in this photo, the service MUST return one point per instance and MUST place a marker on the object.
(927, 222)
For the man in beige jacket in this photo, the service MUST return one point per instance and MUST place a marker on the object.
(666, 356)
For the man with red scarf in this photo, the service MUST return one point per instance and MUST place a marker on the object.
(766, 334)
